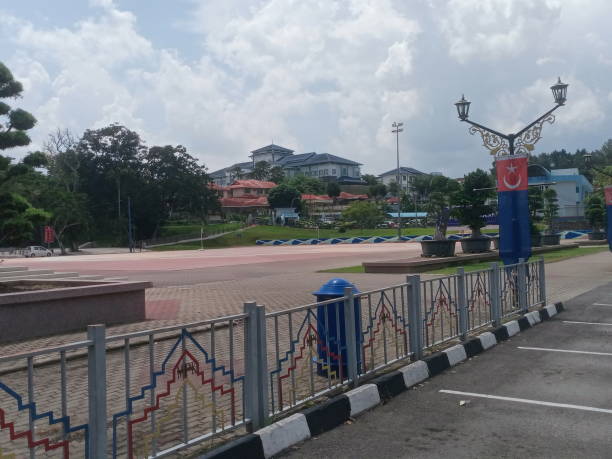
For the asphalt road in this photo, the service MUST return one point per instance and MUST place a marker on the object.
(536, 422)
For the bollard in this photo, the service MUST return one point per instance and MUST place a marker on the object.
(415, 320)
(494, 292)
(96, 381)
(256, 366)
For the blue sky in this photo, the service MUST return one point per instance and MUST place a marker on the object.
(226, 77)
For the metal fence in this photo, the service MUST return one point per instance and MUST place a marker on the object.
(154, 392)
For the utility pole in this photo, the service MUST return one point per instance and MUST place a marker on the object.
(130, 238)
(397, 128)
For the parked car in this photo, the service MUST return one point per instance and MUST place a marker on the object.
(36, 251)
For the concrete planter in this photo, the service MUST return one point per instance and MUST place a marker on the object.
(475, 245)
(69, 306)
(444, 248)
(597, 236)
(536, 240)
(551, 239)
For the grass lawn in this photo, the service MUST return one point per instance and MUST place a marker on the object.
(252, 234)
(549, 257)
(178, 230)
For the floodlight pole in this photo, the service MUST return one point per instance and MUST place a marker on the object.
(397, 128)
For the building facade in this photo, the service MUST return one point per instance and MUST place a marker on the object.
(324, 166)
(407, 176)
(572, 188)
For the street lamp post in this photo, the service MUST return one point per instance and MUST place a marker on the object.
(523, 141)
(397, 128)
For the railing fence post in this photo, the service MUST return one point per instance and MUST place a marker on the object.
(96, 384)
(253, 358)
(462, 303)
(415, 323)
(495, 294)
(262, 367)
(542, 275)
(351, 335)
(522, 285)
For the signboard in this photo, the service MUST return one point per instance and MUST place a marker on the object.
(512, 196)
(49, 235)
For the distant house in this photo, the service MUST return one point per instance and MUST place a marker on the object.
(245, 196)
(407, 175)
(324, 166)
(572, 187)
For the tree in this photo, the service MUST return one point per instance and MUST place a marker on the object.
(407, 204)
(551, 208)
(261, 171)
(307, 185)
(393, 188)
(377, 191)
(277, 175)
(236, 173)
(535, 201)
(333, 190)
(595, 212)
(470, 202)
(12, 132)
(64, 161)
(364, 214)
(284, 195)
(370, 179)
(18, 219)
(441, 191)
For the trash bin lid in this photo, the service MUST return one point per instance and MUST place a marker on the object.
(335, 287)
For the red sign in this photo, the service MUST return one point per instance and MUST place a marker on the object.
(49, 235)
(608, 192)
(511, 173)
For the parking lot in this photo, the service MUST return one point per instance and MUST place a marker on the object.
(546, 392)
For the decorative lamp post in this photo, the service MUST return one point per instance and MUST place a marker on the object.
(511, 152)
(397, 128)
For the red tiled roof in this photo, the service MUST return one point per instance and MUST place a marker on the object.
(261, 201)
(316, 197)
(214, 186)
(345, 195)
(393, 200)
(252, 184)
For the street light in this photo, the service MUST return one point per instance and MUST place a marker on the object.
(397, 128)
(524, 140)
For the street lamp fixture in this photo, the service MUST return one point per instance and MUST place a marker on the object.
(523, 141)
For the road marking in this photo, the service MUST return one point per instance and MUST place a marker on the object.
(562, 350)
(586, 323)
(529, 401)
(601, 304)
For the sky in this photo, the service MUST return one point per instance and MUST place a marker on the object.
(224, 77)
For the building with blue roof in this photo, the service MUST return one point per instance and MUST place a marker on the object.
(571, 186)
(324, 166)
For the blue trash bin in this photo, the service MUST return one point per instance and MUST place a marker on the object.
(328, 327)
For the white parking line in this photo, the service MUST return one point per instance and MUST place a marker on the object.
(528, 401)
(601, 304)
(563, 350)
(586, 323)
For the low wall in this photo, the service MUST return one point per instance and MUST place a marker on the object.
(71, 307)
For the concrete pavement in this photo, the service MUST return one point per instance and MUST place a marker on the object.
(543, 393)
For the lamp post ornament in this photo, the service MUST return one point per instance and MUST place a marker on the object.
(511, 152)
(397, 128)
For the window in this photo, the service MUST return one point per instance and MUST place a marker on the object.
(344, 171)
(247, 190)
(333, 171)
(404, 178)
(326, 172)
(577, 190)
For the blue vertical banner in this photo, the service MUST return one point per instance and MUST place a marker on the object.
(513, 203)
(608, 193)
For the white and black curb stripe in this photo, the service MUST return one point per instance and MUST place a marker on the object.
(287, 432)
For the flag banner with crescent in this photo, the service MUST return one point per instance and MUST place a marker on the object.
(608, 195)
(513, 208)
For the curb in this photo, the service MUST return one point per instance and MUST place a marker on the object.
(325, 416)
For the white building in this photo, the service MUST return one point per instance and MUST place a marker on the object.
(407, 175)
(572, 187)
(324, 166)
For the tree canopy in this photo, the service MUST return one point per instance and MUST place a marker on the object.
(470, 201)
(13, 122)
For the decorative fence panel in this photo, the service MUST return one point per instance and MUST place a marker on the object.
(152, 393)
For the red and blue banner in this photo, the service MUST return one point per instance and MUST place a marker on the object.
(608, 194)
(513, 202)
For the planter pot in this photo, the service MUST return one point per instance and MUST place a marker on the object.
(536, 240)
(597, 236)
(551, 239)
(475, 245)
(444, 248)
